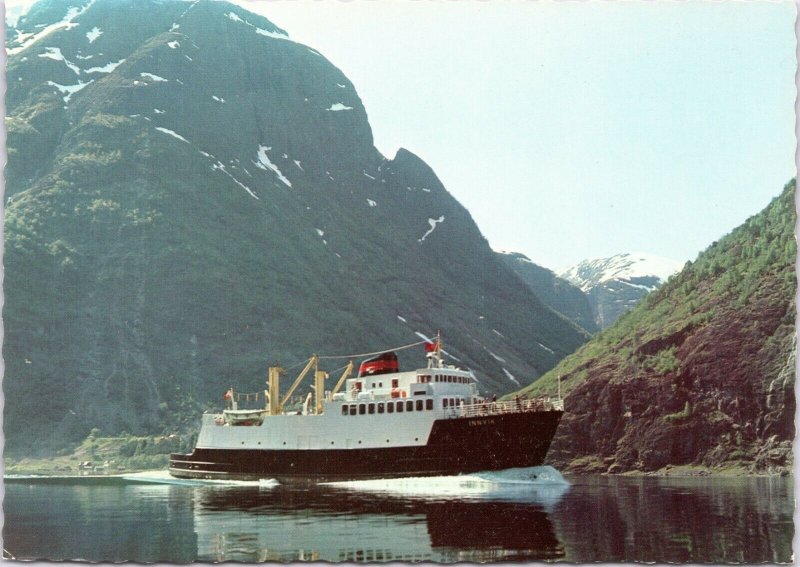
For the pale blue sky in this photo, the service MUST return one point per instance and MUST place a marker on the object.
(575, 130)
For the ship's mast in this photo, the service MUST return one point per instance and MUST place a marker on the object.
(435, 355)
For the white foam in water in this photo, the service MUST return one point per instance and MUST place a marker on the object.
(508, 483)
(163, 477)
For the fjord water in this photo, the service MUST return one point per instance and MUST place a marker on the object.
(522, 515)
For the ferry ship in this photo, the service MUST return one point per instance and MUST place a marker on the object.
(382, 423)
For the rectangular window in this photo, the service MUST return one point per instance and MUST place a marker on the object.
(380, 407)
(358, 386)
(399, 407)
(395, 383)
(344, 409)
(429, 404)
(419, 405)
(389, 407)
(445, 402)
(371, 408)
(362, 409)
(353, 409)
(409, 405)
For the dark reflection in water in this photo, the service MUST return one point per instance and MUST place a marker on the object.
(377, 527)
(720, 520)
(595, 519)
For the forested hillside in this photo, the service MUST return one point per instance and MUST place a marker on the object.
(701, 373)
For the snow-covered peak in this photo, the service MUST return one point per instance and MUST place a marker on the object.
(589, 273)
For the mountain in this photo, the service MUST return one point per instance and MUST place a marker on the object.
(701, 373)
(558, 293)
(614, 285)
(191, 197)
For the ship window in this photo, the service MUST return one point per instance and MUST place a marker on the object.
(409, 405)
(395, 383)
(358, 386)
(353, 409)
(419, 405)
(380, 407)
(445, 403)
(371, 408)
(362, 409)
(389, 407)
(429, 404)
(344, 409)
(399, 407)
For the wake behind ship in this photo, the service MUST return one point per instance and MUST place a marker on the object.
(385, 423)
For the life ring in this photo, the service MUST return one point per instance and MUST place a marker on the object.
(403, 393)
(219, 420)
(395, 392)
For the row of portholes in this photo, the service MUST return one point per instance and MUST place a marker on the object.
(390, 407)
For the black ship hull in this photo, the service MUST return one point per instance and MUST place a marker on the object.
(455, 446)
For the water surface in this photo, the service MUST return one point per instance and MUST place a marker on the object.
(521, 515)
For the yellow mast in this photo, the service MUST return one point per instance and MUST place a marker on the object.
(319, 389)
(345, 375)
(274, 389)
(311, 362)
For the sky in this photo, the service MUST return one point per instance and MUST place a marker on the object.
(575, 130)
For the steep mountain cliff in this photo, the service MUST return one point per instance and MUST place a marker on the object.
(192, 196)
(702, 372)
(556, 292)
(616, 284)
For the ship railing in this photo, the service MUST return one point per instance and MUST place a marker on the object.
(500, 408)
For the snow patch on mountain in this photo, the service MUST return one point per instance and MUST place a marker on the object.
(433, 223)
(337, 107)
(511, 377)
(108, 68)
(69, 90)
(546, 348)
(267, 165)
(55, 54)
(65, 23)
(258, 30)
(153, 77)
(93, 34)
(172, 133)
(497, 358)
(219, 166)
(590, 273)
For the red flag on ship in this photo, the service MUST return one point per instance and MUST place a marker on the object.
(228, 395)
(431, 347)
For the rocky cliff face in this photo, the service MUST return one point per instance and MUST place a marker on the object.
(701, 373)
(615, 285)
(192, 196)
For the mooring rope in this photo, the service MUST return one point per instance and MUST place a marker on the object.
(363, 354)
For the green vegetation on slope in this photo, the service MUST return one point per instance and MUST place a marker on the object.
(702, 372)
